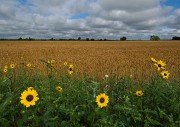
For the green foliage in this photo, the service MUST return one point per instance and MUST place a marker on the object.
(123, 38)
(154, 38)
(75, 105)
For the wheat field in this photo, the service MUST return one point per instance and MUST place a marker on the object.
(95, 58)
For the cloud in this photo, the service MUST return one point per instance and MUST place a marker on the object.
(88, 18)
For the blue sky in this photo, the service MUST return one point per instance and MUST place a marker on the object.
(174, 3)
(80, 15)
(112, 19)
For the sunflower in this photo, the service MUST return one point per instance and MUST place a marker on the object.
(59, 88)
(160, 64)
(28, 65)
(131, 76)
(139, 92)
(51, 63)
(70, 69)
(48, 61)
(12, 66)
(29, 97)
(165, 74)
(153, 60)
(5, 70)
(65, 63)
(6, 67)
(102, 100)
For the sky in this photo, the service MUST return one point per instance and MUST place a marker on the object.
(110, 19)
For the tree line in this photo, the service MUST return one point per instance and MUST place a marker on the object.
(153, 38)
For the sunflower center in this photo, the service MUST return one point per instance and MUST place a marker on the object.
(70, 69)
(29, 98)
(159, 65)
(102, 100)
(165, 74)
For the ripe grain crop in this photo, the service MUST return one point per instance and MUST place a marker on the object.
(94, 58)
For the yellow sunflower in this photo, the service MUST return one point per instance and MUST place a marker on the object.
(131, 76)
(29, 97)
(51, 63)
(153, 60)
(12, 65)
(6, 67)
(70, 69)
(59, 88)
(65, 63)
(48, 61)
(165, 74)
(28, 65)
(139, 92)
(102, 100)
(160, 64)
(5, 70)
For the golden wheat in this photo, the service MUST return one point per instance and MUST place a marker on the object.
(94, 58)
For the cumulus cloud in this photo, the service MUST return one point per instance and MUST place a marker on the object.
(105, 19)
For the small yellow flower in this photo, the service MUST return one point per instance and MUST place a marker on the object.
(28, 65)
(165, 74)
(153, 60)
(139, 92)
(12, 66)
(49, 62)
(70, 69)
(59, 88)
(6, 67)
(29, 97)
(160, 64)
(65, 63)
(52, 61)
(5, 70)
(102, 100)
(131, 76)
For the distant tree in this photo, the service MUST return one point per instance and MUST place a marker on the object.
(20, 38)
(92, 39)
(79, 38)
(52, 39)
(123, 38)
(154, 38)
(175, 38)
(101, 39)
(87, 39)
(30, 39)
(105, 39)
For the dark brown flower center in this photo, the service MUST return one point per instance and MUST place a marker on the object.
(70, 69)
(159, 65)
(102, 100)
(29, 98)
(165, 74)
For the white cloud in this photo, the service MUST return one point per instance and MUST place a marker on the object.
(106, 19)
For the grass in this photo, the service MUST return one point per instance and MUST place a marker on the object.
(76, 106)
